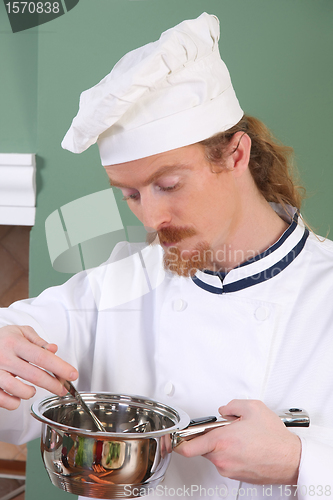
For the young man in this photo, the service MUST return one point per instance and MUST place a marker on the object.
(226, 308)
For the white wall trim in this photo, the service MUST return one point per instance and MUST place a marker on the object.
(17, 189)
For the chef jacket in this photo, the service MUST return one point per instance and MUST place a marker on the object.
(262, 331)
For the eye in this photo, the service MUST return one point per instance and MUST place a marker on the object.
(129, 194)
(168, 188)
(169, 183)
(131, 197)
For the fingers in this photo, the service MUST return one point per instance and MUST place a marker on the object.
(22, 355)
(207, 443)
(30, 334)
(252, 410)
(200, 445)
(35, 376)
(31, 349)
(13, 385)
(8, 402)
(193, 448)
(51, 347)
(257, 448)
(241, 408)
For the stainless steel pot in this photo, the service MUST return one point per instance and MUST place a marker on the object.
(128, 459)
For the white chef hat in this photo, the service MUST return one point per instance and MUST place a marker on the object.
(162, 96)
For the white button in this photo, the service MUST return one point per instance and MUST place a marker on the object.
(261, 313)
(169, 389)
(179, 305)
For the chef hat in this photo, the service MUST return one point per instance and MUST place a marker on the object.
(162, 96)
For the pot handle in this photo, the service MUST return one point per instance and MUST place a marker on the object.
(293, 417)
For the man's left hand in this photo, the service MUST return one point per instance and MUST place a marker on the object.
(257, 449)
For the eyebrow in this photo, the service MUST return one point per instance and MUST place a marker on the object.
(152, 178)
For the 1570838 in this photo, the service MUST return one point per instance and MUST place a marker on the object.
(291, 490)
(33, 7)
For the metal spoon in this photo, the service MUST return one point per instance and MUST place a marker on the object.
(72, 390)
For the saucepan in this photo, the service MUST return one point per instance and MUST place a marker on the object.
(134, 453)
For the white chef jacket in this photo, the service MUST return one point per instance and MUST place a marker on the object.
(264, 331)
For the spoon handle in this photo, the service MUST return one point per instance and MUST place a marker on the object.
(72, 390)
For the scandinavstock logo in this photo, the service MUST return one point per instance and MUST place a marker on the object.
(25, 15)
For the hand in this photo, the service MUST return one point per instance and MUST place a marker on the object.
(257, 449)
(22, 355)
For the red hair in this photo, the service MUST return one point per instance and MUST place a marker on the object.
(270, 162)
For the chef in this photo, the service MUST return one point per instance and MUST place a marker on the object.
(224, 311)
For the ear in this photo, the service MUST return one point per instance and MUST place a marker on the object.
(239, 153)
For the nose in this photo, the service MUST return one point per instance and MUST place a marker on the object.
(155, 212)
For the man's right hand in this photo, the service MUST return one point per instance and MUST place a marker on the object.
(26, 355)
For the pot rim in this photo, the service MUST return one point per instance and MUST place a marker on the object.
(39, 407)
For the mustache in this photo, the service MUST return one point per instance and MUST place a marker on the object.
(171, 234)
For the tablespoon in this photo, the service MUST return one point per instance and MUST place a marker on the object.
(72, 390)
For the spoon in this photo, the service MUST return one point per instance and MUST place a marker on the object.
(72, 390)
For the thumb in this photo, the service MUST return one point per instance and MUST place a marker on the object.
(243, 408)
(236, 408)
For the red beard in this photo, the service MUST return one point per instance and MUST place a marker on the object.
(182, 262)
(187, 265)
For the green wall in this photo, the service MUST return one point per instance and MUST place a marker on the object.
(279, 54)
(18, 88)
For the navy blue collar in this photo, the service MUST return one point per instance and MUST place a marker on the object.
(262, 267)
